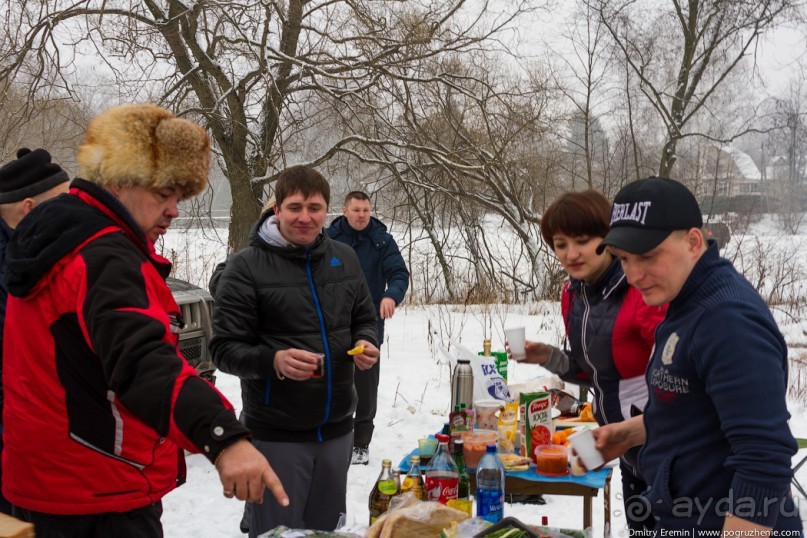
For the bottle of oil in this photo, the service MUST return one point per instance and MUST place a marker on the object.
(414, 480)
(384, 489)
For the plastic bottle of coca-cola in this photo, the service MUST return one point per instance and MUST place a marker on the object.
(442, 475)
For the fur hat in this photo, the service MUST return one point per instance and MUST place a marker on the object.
(145, 146)
(30, 174)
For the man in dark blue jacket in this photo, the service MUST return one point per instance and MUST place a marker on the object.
(25, 182)
(388, 279)
(717, 445)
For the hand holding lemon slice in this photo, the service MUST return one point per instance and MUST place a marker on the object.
(358, 350)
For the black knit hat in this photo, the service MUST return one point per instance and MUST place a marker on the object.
(647, 211)
(31, 174)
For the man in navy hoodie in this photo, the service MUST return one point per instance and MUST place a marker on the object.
(717, 445)
(388, 278)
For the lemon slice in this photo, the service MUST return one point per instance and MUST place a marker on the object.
(356, 350)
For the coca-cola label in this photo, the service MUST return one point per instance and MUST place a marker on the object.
(442, 488)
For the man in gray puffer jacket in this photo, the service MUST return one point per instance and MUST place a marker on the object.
(288, 309)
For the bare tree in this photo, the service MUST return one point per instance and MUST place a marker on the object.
(465, 152)
(790, 139)
(701, 40)
(254, 72)
(785, 179)
(588, 92)
(54, 123)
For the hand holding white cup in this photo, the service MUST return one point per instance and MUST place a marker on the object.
(515, 340)
(584, 445)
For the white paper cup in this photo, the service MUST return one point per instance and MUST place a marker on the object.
(516, 339)
(583, 443)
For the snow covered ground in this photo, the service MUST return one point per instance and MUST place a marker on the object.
(414, 398)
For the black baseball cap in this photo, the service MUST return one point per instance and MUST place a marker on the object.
(647, 211)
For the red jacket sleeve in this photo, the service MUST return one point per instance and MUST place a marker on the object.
(124, 312)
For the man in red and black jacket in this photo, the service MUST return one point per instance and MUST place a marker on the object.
(99, 401)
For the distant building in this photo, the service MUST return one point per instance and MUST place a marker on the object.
(724, 178)
(728, 172)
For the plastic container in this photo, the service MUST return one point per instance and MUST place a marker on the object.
(490, 486)
(552, 460)
(487, 413)
(474, 445)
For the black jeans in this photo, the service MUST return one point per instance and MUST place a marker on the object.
(139, 523)
(366, 382)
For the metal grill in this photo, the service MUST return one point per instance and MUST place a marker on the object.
(193, 349)
(192, 316)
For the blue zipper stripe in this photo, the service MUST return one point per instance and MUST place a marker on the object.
(324, 341)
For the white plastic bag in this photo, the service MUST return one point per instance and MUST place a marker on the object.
(488, 383)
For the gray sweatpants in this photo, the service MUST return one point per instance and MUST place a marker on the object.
(315, 477)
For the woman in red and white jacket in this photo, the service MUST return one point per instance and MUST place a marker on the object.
(610, 330)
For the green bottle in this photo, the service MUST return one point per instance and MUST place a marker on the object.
(464, 482)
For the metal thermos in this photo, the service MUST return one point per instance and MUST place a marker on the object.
(462, 384)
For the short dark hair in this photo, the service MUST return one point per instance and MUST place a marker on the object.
(577, 213)
(303, 179)
(356, 195)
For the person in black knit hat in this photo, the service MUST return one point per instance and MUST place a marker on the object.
(30, 179)
(29, 176)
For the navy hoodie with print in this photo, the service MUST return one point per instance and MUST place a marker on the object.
(718, 438)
